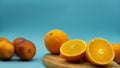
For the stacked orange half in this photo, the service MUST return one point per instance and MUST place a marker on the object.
(99, 51)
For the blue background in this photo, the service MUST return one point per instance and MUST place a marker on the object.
(32, 19)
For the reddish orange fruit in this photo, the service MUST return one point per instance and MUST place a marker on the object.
(26, 50)
(18, 41)
(54, 39)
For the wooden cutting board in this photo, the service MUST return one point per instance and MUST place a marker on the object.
(54, 61)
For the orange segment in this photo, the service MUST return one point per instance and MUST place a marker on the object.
(73, 50)
(99, 51)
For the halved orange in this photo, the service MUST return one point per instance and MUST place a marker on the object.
(73, 50)
(99, 51)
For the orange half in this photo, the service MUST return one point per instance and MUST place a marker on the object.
(99, 51)
(73, 50)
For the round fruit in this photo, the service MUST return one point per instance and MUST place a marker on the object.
(54, 39)
(6, 50)
(99, 51)
(73, 50)
(26, 50)
(17, 41)
(116, 47)
(4, 39)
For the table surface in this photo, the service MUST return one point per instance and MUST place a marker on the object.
(32, 19)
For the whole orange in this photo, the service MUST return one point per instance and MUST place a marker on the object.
(54, 39)
(17, 41)
(116, 47)
(4, 39)
(6, 50)
(26, 50)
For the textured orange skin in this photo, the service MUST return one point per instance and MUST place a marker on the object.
(7, 50)
(116, 47)
(26, 50)
(4, 39)
(18, 41)
(54, 39)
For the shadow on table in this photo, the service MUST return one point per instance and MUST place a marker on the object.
(17, 59)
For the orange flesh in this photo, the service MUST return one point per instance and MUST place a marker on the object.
(100, 51)
(73, 48)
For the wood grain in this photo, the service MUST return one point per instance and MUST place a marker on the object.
(54, 61)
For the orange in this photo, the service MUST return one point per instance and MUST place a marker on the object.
(60, 55)
(99, 51)
(54, 39)
(6, 50)
(17, 41)
(73, 50)
(116, 47)
(26, 50)
(3, 39)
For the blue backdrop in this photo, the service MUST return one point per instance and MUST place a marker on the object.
(31, 19)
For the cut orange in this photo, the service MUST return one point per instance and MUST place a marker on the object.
(61, 55)
(73, 50)
(99, 51)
